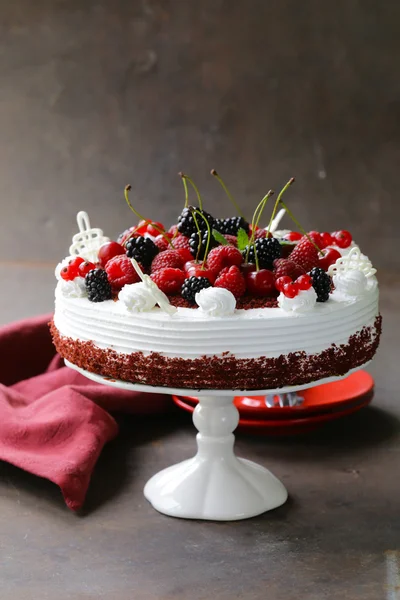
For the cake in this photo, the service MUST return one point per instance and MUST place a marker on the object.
(216, 303)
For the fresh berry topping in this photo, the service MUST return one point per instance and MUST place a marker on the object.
(161, 242)
(108, 251)
(141, 249)
(84, 268)
(231, 226)
(247, 268)
(231, 239)
(187, 224)
(154, 228)
(223, 256)
(197, 252)
(97, 285)
(168, 258)
(293, 236)
(268, 249)
(321, 283)
(315, 236)
(192, 285)
(327, 239)
(328, 257)
(290, 290)
(286, 266)
(342, 238)
(305, 254)
(185, 254)
(304, 282)
(281, 282)
(169, 280)
(125, 235)
(181, 241)
(232, 279)
(261, 283)
(261, 234)
(196, 269)
(71, 271)
(120, 272)
(173, 230)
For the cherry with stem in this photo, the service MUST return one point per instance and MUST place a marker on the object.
(135, 212)
(227, 192)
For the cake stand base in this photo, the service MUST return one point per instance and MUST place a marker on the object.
(214, 484)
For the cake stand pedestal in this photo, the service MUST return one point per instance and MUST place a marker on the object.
(214, 484)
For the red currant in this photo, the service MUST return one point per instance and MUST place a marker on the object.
(328, 257)
(304, 282)
(85, 267)
(261, 283)
(71, 271)
(293, 236)
(327, 239)
(282, 281)
(290, 290)
(108, 250)
(343, 238)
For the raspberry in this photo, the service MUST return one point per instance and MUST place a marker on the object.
(268, 249)
(231, 226)
(173, 230)
(120, 272)
(161, 242)
(232, 280)
(168, 258)
(321, 283)
(181, 241)
(223, 256)
(169, 280)
(260, 234)
(97, 285)
(185, 254)
(141, 249)
(231, 239)
(192, 285)
(305, 254)
(285, 267)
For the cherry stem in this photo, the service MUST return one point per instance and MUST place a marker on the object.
(135, 212)
(227, 192)
(186, 189)
(194, 212)
(303, 231)
(254, 222)
(283, 190)
(196, 189)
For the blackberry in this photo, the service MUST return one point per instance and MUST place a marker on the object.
(194, 244)
(97, 285)
(192, 285)
(231, 226)
(321, 283)
(141, 249)
(268, 249)
(186, 222)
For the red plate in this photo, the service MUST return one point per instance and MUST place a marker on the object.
(325, 398)
(321, 404)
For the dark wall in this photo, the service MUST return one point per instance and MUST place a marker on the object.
(97, 94)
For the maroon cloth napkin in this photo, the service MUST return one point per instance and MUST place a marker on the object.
(53, 421)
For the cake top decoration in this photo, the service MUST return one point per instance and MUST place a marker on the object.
(353, 261)
(87, 242)
(159, 297)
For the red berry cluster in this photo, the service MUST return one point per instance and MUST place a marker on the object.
(291, 288)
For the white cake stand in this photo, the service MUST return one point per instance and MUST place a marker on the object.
(214, 484)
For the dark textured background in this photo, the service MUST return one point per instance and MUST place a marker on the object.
(96, 94)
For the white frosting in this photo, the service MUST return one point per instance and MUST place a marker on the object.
(302, 303)
(216, 302)
(137, 297)
(73, 289)
(190, 333)
(61, 265)
(354, 283)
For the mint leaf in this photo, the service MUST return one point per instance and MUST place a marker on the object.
(219, 237)
(242, 239)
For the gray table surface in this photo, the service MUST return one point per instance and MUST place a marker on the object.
(337, 537)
